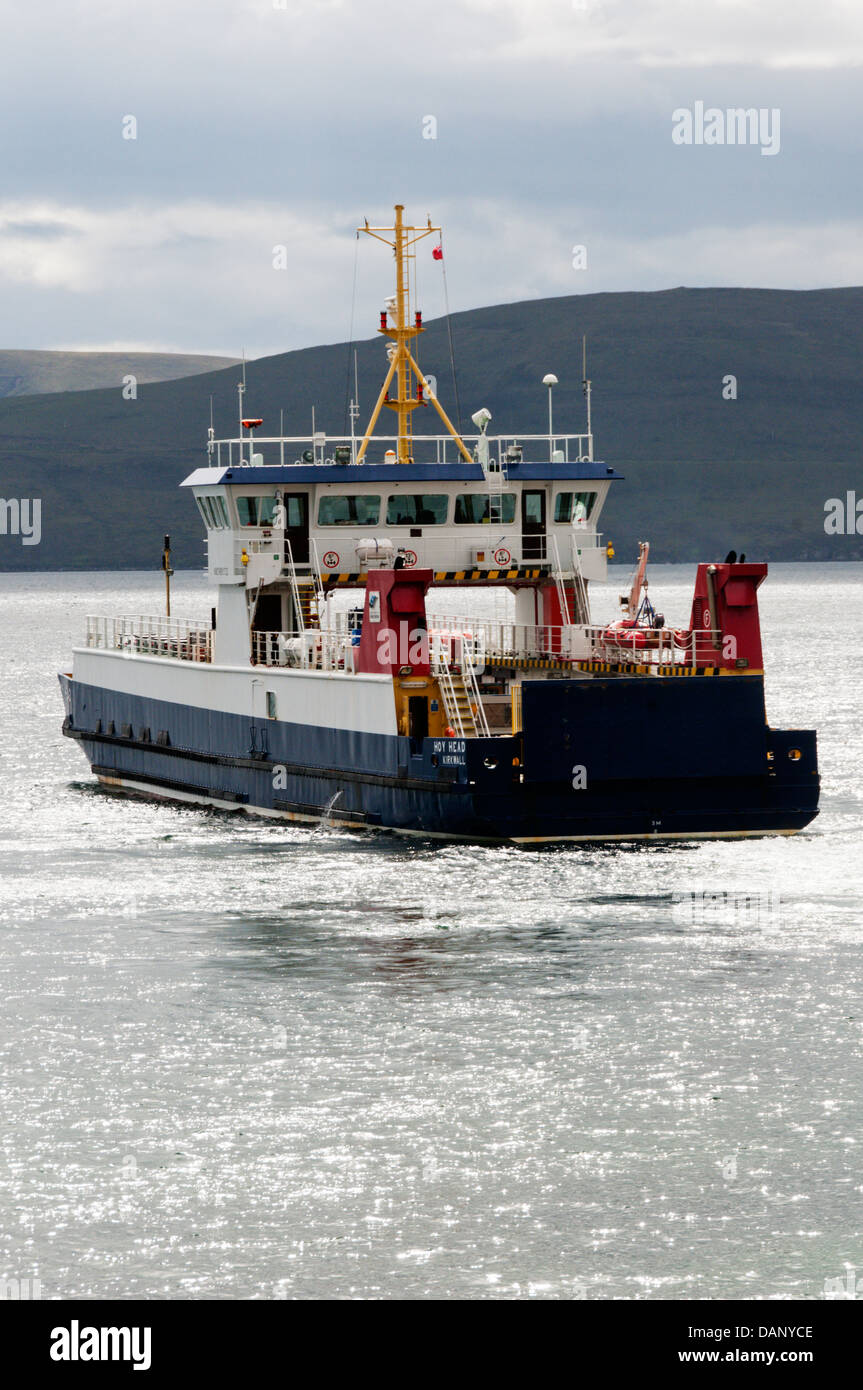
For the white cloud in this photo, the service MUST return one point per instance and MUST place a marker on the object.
(678, 33)
(260, 126)
(195, 276)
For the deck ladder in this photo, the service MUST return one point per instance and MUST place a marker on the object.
(472, 688)
(302, 592)
(495, 474)
(579, 586)
(447, 690)
(461, 697)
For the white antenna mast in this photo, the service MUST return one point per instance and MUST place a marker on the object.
(241, 391)
(354, 411)
(585, 381)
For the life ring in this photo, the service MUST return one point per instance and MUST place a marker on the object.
(410, 558)
(331, 560)
(502, 556)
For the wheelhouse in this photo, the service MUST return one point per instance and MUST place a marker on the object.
(263, 520)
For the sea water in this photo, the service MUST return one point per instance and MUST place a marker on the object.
(245, 1059)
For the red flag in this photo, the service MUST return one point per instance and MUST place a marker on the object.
(437, 252)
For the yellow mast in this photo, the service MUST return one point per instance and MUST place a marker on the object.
(403, 365)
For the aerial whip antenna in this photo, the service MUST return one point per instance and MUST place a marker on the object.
(585, 381)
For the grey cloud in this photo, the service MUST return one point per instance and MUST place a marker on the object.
(564, 131)
(30, 228)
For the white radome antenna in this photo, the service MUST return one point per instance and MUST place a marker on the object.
(550, 380)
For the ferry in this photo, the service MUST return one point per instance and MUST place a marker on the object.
(327, 685)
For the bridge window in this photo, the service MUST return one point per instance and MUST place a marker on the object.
(214, 512)
(418, 509)
(574, 506)
(359, 509)
(256, 511)
(478, 508)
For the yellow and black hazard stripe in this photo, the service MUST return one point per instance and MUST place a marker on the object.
(331, 577)
(527, 663)
(444, 576)
(627, 668)
(608, 668)
(630, 668)
(469, 576)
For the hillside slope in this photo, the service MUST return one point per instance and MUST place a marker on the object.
(29, 372)
(703, 473)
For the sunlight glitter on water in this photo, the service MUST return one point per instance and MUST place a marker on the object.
(245, 1059)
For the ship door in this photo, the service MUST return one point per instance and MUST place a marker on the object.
(533, 524)
(296, 505)
(418, 721)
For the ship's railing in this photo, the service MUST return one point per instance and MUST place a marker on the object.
(497, 642)
(451, 639)
(325, 450)
(456, 637)
(654, 646)
(309, 650)
(180, 638)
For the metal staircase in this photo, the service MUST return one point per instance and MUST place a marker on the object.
(306, 594)
(581, 604)
(461, 698)
(571, 593)
(307, 598)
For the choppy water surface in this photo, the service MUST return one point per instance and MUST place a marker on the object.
(248, 1060)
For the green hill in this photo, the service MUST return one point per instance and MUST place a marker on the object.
(30, 372)
(703, 473)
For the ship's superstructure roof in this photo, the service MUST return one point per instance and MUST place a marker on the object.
(394, 473)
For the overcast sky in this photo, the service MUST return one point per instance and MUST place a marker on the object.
(263, 123)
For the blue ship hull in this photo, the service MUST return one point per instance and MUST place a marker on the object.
(619, 758)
